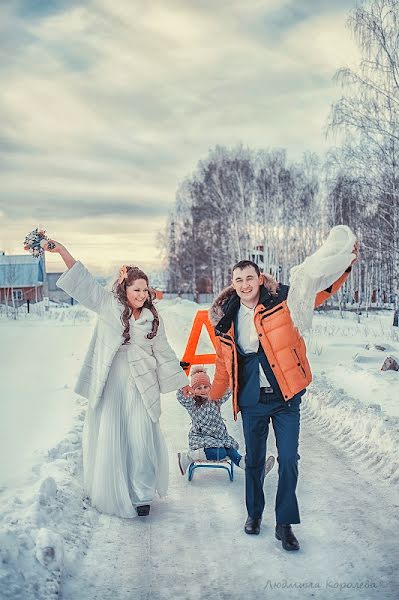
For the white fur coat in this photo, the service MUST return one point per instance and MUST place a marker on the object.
(153, 364)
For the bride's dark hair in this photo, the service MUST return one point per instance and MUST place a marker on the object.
(119, 290)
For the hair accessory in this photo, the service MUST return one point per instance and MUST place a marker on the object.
(122, 274)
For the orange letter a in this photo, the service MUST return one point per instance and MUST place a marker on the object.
(190, 358)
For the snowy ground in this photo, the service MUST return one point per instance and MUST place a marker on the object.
(52, 544)
(39, 362)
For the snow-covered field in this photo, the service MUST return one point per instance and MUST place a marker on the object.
(39, 361)
(53, 544)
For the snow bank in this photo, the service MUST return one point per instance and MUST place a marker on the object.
(361, 429)
(45, 529)
(351, 398)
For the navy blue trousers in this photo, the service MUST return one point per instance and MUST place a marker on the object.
(221, 453)
(285, 418)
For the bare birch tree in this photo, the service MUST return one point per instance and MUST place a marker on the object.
(367, 116)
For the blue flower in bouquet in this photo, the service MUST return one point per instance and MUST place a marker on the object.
(35, 242)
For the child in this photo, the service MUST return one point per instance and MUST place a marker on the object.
(208, 437)
(128, 363)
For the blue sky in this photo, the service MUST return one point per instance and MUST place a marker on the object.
(106, 105)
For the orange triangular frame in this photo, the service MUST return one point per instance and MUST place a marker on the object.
(190, 357)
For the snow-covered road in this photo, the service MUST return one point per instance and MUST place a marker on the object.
(193, 545)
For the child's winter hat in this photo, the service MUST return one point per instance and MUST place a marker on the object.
(199, 377)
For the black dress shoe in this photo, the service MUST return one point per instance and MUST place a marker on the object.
(143, 510)
(252, 526)
(285, 534)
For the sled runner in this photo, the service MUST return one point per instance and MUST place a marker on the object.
(228, 466)
(225, 463)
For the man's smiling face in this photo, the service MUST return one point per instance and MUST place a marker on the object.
(246, 283)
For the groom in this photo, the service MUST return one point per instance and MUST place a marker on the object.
(261, 357)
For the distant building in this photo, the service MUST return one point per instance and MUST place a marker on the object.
(22, 278)
(54, 293)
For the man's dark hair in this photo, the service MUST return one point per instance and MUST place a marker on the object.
(246, 263)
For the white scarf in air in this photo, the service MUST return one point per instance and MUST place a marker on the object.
(318, 272)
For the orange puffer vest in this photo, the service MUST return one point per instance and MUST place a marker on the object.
(282, 343)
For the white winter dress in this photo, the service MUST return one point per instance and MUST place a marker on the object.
(125, 458)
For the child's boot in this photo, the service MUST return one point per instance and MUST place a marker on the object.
(241, 464)
(269, 464)
(184, 462)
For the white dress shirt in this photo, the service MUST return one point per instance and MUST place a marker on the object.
(247, 337)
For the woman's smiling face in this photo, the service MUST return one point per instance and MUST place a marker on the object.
(137, 293)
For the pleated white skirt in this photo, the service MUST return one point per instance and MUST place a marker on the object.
(125, 458)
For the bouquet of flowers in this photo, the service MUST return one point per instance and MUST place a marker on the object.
(35, 242)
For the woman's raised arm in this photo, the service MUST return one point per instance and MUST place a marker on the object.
(62, 251)
(79, 283)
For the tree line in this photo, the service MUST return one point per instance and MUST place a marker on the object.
(243, 203)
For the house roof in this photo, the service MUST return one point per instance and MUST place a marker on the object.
(21, 271)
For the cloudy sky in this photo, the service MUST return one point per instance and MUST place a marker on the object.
(105, 105)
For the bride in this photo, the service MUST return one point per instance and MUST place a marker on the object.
(128, 363)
